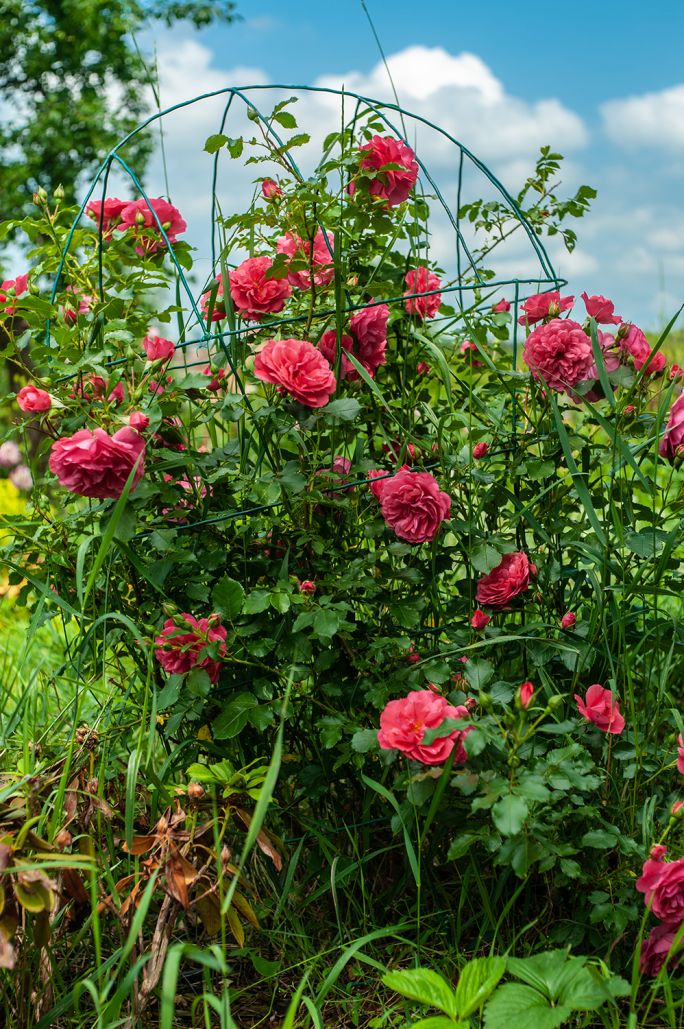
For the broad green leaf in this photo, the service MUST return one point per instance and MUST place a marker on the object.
(234, 716)
(476, 982)
(424, 986)
(228, 597)
(514, 1006)
(364, 740)
(345, 408)
(509, 814)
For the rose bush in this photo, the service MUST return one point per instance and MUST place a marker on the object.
(428, 534)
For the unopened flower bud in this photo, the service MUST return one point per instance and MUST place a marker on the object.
(555, 702)
(525, 694)
(677, 810)
(480, 620)
(195, 791)
(63, 839)
(58, 193)
(307, 587)
(40, 196)
(568, 620)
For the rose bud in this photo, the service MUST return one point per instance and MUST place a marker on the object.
(307, 587)
(568, 620)
(480, 620)
(525, 694)
(480, 450)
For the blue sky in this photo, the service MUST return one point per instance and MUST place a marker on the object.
(603, 83)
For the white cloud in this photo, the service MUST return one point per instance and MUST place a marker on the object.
(650, 120)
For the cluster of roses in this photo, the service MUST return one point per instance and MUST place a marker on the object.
(560, 354)
(388, 172)
(662, 883)
(140, 219)
(404, 722)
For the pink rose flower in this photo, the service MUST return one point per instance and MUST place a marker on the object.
(525, 694)
(79, 303)
(30, 398)
(217, 376)
(10, 454)
(320, 257)
(655, 949)
(297, 368)
(544, 305)
(601, 309)
(139, 421)
(219, 308)
(600, 708)
(94, 464)
(307, 587)
(109, 211)
(368, 342)
(510, 577)
(404, 722)
(391, 184)
(672, 443)
(480, 450)
(422, 280)
(253, 294)
(502, 307)
(158, 349)
(382, 478)
(480, 620)
(21, 478)
(413, 656)
(12, 288)
(413, 505)
(662, 883)
(676, 372)
(657, 363)
(422, 368)
(183, 643)
(611, 352)
(369, 328)
(568, 620)
(680, 754)
(634, 342)
(270, 189)
(140, 217)
(559, 353)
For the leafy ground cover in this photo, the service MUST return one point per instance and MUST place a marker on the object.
(342, 668)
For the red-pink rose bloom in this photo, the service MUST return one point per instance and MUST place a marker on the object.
(560, 354)
(158, 349)
(217, 376)
(378, 479)
(320, 257)
(662, 883)
(544, 305)
(635, 343)
(109, 211)
(270, 189)
(182, 645)
(94, 464)
(672, 443)
(568, 620)
(297, 368)
(368, 342)
(511, 577)
(680, 754)
(95, 388)
(391, 184)
(480, 620)
(404, 722)
(422, 280)
(413, 505)
(138, 420)
(140, 217)
(369, 328)
(480, 450)
(422, 368)
(600, 708)
(525, 694)
(307, 587)
(254, 295)
(30, 398)
(602, 309)
(655, 949)
(612, 356)
(219, 309)
(657, 363)
(502, 307)
(79, 303)
(12, 288)
(676, 372)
